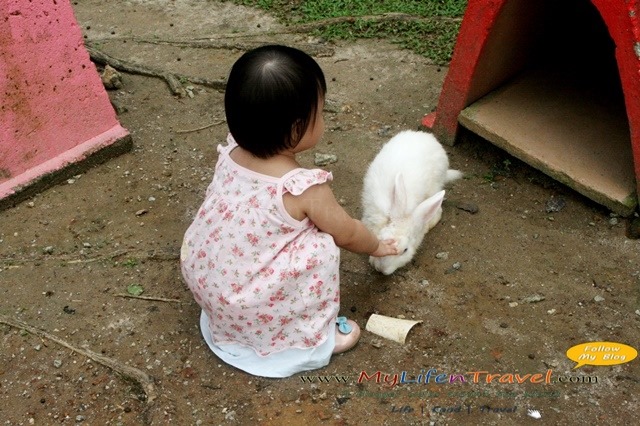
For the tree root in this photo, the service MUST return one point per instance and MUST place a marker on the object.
(139, 377)
(173, 80)
(157, 255)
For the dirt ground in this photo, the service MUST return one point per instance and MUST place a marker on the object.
(505, 290)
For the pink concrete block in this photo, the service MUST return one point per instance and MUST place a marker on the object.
(55, 114)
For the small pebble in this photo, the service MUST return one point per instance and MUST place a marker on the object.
(468, 207)
(504, 325)
(442, 255)
(384, 130)
(613, 221)
(598, 299)
(533, 299)
(324, 159)
(57, 363)
(551, 311)
(513, 304)
(555, 204)
(48, 250)
(454, 268)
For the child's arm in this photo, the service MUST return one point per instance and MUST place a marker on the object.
(320, 206)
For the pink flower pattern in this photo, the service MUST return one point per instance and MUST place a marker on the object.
(265, 280)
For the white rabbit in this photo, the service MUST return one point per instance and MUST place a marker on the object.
(403, 192)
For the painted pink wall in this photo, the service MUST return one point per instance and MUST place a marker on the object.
(53, 107)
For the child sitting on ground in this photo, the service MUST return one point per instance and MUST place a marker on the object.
(261, 256)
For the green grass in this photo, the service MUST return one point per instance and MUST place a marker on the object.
(130, 263)
(433, 39)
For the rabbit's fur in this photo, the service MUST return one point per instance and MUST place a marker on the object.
(403, 192)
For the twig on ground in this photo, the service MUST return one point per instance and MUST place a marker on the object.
(131, 373)
(200, 128)
(152, 298)
(173, 80)
(158, 255)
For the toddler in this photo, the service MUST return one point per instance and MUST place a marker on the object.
(262, 254)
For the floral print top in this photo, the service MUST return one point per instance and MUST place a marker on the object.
(264, 279)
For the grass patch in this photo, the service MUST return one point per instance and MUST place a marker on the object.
(433, 37)
(130, 263)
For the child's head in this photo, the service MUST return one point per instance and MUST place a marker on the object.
(273, 94)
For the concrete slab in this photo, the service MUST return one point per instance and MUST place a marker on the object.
(575, 131)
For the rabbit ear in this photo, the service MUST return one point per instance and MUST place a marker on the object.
(427, 209)
(399, 199)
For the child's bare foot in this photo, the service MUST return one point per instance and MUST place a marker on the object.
(347, 335)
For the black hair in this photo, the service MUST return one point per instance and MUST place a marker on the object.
(272, 98)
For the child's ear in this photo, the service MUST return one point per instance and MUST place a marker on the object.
(399, 197)
(297, 132)
(427, 209)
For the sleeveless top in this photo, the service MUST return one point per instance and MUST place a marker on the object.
(264, 279)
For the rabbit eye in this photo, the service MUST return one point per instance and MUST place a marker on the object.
(405, 250)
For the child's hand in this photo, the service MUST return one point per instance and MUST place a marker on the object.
(385, 248)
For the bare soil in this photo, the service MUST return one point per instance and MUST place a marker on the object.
(505, 290)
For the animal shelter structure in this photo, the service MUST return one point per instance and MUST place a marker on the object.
(55, 116)
(557, 85)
